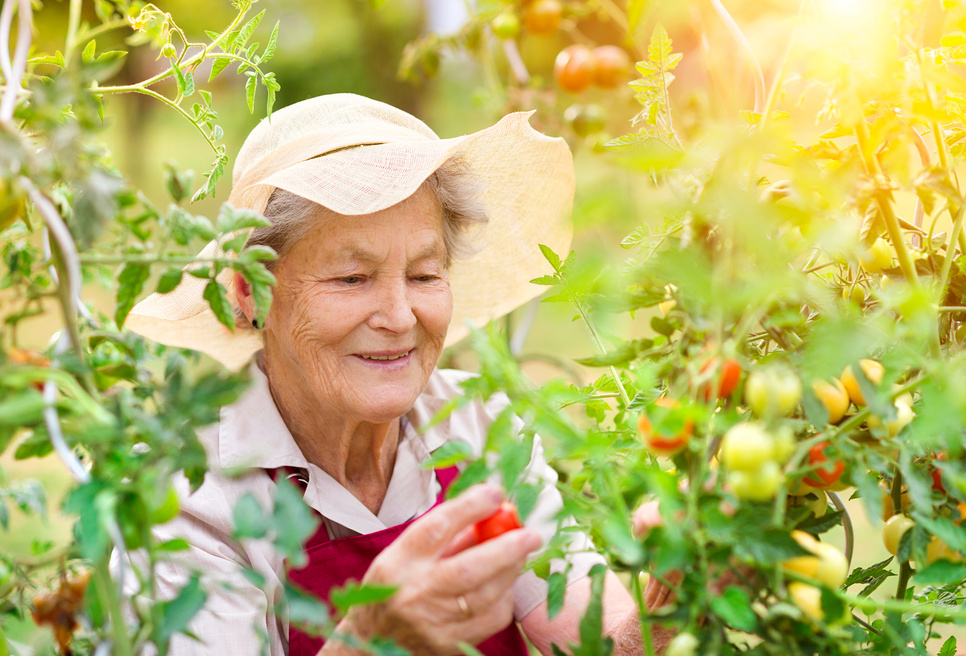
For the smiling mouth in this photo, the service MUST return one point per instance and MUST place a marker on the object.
(385, 357)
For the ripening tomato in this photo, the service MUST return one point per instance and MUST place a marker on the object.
(542, 17)
(939, 550)
(728, 377)
(613, 66)
(671, 434)
(827, 472)
(807, 598)
(873, 372)
(893, 531)
(888, 506)
(833, 396)
(503, 520)
(937, 476)
(574, 68)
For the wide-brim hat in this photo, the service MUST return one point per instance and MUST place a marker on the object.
(356, 156)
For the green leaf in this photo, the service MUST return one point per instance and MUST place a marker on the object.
(949, 647)
(250, 92)
(556, 589)
(294, 523)
(950, 533)
(245, 33)
(176, 614)
(88, 55)
(251, 521)
(217, 66)
(169, 280)
(131, 281)
(449, 454)
(270, 47)
(552, 257)
(186, 83)
(591, 628)
(734, 608)
(177, 544)
(217, 299)
(304, 610)
(355, 594)
(545, 280)
(941, 572)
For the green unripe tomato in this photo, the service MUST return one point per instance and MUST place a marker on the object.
(167, 509)
(506, 25)
(169, 51)
(758, 485)
(586, 120)
(746, 448)
(683, 644)
(773, 392)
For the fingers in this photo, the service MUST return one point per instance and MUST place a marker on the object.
(463, 540)
(501, 557)
(433, 532)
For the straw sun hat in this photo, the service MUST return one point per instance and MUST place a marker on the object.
(357, 156)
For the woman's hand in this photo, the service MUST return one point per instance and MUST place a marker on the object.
(450, 589)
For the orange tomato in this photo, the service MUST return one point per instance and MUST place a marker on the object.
(575, 68)
(613, 66)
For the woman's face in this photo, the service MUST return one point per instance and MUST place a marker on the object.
(360, 312)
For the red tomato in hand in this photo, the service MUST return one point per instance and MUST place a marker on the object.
(503, 520)
(575, 68)
(827, 472)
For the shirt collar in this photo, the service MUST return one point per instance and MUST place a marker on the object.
(252, 433)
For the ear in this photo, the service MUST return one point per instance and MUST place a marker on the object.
(243, 296)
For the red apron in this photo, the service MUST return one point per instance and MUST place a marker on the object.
(333, 562)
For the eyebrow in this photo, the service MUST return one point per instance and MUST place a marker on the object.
(361, 255)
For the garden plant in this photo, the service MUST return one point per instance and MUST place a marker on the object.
(793, 294)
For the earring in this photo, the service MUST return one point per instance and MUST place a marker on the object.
(255, 324)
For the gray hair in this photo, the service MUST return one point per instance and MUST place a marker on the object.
(456, 189)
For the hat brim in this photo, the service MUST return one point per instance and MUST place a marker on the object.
(528, 186)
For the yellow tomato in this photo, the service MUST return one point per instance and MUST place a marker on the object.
(833, 396)
(894, 529)
(772, 392)
(877, 257)
(904, 416)
(873, 371)
(826, 564)
(808, 598)
(746, 447)
(939, 550)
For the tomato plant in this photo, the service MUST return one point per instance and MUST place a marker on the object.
(503, 520)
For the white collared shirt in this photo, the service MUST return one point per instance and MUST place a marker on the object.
(251, 437)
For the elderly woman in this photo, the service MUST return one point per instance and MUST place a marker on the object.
(388, 240)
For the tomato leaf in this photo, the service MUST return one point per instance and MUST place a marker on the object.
(131, 281)
(734, 608)
(355, 594)
(556, 587)
(941, 572)
(176, 614)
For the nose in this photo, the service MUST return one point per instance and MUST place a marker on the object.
(393, 308)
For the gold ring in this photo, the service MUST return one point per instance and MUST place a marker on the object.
(464, 607)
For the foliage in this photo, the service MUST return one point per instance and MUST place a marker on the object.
(788, 251)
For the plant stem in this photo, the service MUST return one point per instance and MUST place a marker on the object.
(642, 612)
(883, 198)
(192, 61)
(73, 25)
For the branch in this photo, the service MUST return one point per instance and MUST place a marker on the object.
(14, 72)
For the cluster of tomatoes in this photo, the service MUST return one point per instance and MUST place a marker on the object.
(754, 455)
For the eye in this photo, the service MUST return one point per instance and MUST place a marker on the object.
(351, 280)
(427, 277)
